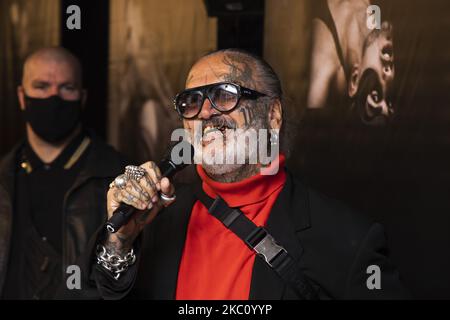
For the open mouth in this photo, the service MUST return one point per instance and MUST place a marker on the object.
(210, 133)
(376, 116)
(217, 125)
(211, 129)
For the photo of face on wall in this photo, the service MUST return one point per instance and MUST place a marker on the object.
(352, 61)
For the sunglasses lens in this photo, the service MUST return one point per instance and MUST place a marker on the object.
(224, 96)
(189, 103)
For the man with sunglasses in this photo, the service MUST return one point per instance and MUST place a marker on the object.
(238, 233)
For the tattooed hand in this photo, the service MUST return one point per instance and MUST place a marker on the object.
(142, 195)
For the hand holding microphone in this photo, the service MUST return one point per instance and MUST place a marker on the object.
(136, 197)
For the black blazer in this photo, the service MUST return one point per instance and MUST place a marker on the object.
(333, 245)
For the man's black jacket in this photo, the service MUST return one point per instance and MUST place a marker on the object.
(333, 245)
(84, 206)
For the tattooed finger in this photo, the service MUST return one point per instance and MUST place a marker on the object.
(150, 187)
(137, 188)
(153, 172)
(130, 199)
(156, 171)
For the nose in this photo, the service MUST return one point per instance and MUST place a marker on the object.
(207, 110)
(53, 91)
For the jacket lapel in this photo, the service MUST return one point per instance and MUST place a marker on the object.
(94, 167)
(165, 267)
(95, 156)
(289, 215)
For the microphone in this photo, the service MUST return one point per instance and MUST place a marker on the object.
(168, 169)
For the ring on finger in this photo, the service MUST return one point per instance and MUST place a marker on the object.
(121, 181)
(134, 172)
(167, 200)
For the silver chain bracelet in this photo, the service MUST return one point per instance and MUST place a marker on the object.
(113, 262)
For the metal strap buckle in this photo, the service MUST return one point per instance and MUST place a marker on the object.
(268, 248)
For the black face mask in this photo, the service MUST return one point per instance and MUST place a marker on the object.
(53, 119)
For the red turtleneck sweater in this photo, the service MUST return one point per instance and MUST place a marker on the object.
(216, 264)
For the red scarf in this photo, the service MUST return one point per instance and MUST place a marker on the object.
(216, 264)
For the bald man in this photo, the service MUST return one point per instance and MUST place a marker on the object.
(51, 185)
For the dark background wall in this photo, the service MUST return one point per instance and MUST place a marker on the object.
(416, 204)
(90, 45)
(240, 24)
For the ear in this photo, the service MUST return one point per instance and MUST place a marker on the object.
(353, 81)
(275, 115)
(21, 96)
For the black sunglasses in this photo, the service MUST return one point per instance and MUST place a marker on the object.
(224, 97)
